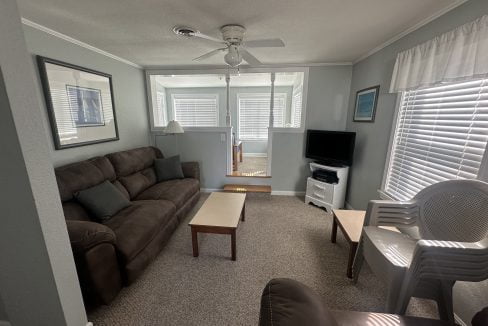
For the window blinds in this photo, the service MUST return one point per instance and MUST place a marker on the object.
(196, 110)
(254, 115)
(441, 134)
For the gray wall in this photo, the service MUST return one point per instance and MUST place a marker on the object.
(373, 138)
(328, 96)
(3, 313)
(38, 281)
(128, 87)
(248, 146)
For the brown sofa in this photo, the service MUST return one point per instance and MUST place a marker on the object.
(116, 252)
(286, 302)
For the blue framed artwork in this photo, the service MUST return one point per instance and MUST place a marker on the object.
(79, 103)
(366, 102)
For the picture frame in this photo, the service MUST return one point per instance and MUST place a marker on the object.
(366, 103)
(79, 103)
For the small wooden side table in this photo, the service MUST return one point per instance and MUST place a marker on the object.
(351, 224)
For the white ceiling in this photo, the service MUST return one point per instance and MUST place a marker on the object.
(314, 31)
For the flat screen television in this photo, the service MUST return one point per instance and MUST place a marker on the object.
(330, 147)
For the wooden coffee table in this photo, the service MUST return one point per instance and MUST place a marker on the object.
(220, 214)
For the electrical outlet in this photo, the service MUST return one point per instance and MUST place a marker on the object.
(222, 138)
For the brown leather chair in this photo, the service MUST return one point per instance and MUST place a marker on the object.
(286, 302)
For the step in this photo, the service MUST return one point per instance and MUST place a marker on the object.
(247, 188)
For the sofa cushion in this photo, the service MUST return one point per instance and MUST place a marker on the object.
(103, 200)
(168, 168)
(74, 211)
(78, 176)
(128, 162)
(136, 225)
(121, 188)
(139, 181)
(178, 191)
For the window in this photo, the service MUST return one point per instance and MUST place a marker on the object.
(196, 110)
(296, 107)
(254, 115)
(441, 134)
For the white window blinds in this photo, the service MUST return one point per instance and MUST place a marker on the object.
(441, 134)
(254, 115)
(196, 110)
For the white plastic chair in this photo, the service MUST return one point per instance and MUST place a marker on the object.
(452, 221)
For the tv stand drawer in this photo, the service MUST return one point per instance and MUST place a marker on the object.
(320, 190)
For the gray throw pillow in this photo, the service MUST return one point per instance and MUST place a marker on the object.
(168, 168)
(103, 200)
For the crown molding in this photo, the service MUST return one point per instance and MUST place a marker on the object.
(77, 42)
(410, 30)
(264, 66)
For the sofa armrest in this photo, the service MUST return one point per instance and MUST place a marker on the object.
(85, 235)
(286, 302)
(191, 170)
(481, 318)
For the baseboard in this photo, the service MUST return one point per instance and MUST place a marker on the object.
(211, 190)
(348, 206)
(255, 154)
(287, 193)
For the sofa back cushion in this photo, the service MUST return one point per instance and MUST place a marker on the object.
(78, 176)
(135, 168)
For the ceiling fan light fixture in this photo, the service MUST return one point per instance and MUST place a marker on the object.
(233, 58)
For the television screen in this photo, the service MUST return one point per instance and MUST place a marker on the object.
(330, 147)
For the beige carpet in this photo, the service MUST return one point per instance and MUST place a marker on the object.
(281, 237)
(255, 166)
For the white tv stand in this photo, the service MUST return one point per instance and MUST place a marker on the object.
(328, 195)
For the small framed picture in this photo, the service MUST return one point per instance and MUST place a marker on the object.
(79, 103)
(366, 101)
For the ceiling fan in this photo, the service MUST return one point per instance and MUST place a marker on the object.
(233, 44)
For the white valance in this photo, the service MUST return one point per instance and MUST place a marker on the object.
(451, 57)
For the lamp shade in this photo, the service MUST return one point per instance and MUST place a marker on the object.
(174, 127)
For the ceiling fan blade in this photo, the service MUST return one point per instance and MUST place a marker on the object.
(209, 54)
(252, 60)
(268, 43)
(210, 38)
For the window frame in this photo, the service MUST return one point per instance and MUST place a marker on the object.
(263, 95)
(195, 96)
(482, 173)
(298, 91)
(223, 71)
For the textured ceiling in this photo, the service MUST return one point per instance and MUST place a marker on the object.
(314, 31)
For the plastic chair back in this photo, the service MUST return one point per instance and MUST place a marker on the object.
(455, 210)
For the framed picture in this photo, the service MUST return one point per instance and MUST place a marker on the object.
(366, 101)
(79, 103)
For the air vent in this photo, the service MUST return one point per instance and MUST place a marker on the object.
(184, 31)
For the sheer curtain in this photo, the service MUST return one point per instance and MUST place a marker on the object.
(457, 55)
